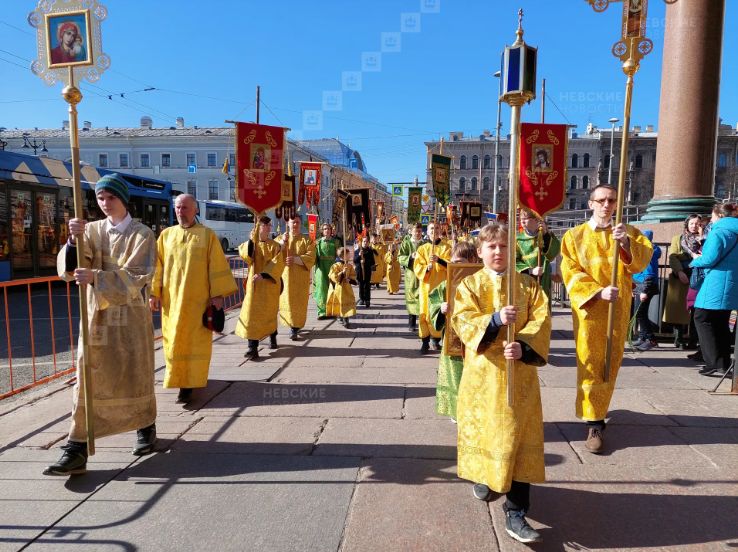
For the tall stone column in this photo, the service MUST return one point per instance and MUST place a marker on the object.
(688, 111)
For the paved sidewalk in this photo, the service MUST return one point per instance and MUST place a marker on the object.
(332, 443)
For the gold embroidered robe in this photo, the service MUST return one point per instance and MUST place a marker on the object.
(191, 268)
(121, 334)
(341, 301)
(258, 317)
(293, 302)
(428, 281)
(498, 443)
(586, 267)
(381, 268)
(393, 271)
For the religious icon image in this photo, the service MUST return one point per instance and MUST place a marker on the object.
(310, 177)
(415, 200)
(356, 200)
(440, 175)
(68, 39)
(260, 155)
(542, 153)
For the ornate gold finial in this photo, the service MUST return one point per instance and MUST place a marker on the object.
(519, 32)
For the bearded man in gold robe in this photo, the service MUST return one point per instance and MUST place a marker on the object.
(587, 256)
(429, 267)
(258, 317)
(192, 272)
(298, 251)
(119, 262)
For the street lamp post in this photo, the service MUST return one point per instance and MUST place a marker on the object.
(612, 122)
(498, 74)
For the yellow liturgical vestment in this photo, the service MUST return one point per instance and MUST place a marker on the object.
(293, 302)
(429, 279)
(258, 317)
(191, 268)
(121, 347)
(587, 268)
(341, 301)
(393, 270)
(498, 443)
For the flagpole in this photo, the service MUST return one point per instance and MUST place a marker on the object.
(258, 102)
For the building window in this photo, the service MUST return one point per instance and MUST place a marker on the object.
(475, 162)
(639, 161)
(212, 189)
(585, 183)
(574, 161)
(145, 161)
(583, 205)
(212, 160)
(485, 183)
(123, 160)
(585, 161)
(723, 160)
(573, 183)
(166, 159)
(474, 184)
(572, 203)
(192, 188)
(462, 184)
(233, 190)
(487, 161)
(102, 160)
(232, 161)
(499, 161)
(191, 159)
(462, 162)
(606, 164)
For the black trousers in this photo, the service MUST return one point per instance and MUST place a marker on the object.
(365, 290)
(518, 497)
(713, 329)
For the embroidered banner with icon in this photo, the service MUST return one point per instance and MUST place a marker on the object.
(441, 174)
(312, 226)
(542, 167)
(310, 178)
(414, 197)
(259, 159)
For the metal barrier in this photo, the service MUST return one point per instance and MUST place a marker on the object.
(42, 327)
(37, 351)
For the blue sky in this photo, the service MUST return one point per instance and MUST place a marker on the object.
(206, 58)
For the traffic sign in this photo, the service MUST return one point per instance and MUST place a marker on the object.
(192, 169)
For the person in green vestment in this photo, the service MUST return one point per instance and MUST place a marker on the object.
(450, 367)
(527, 258)
(325, 253)
(408, 250)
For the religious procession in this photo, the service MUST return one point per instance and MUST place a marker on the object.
(500, 345)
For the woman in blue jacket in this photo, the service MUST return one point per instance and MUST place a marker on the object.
(718, 294)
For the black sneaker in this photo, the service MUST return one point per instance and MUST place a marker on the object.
(184, 396)
(252, 354)
(347, 325)
(481, 492)
(517, 527)
(73, 460)
(697, 356)
(272, 341)
(293, 336)
(145, 441)
(436, 344)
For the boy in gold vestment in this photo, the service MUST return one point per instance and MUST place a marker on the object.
(500, 447)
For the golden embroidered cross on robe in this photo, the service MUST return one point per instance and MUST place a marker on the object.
(429, 279)
(191, 268)
(121, 347)
(293, 301)
(498, 443)
(586, 267)
(258, 317)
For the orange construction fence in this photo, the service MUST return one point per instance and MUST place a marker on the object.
(42, 326)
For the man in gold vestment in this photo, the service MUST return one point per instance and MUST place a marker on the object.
(298, 251)
(258, 317)
(191, 273)
(587, 253)
(429, 267)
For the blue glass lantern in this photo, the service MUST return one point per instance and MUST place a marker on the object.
(518, 69)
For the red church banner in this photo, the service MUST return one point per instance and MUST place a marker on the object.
(313, 226)
(542, 167)
(310, 178)
(259, 153)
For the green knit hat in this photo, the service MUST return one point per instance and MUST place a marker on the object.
(116, 185)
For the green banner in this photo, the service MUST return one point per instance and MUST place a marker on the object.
(414, 201)
(441, 173)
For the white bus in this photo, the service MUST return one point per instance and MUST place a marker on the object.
(232, 222)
